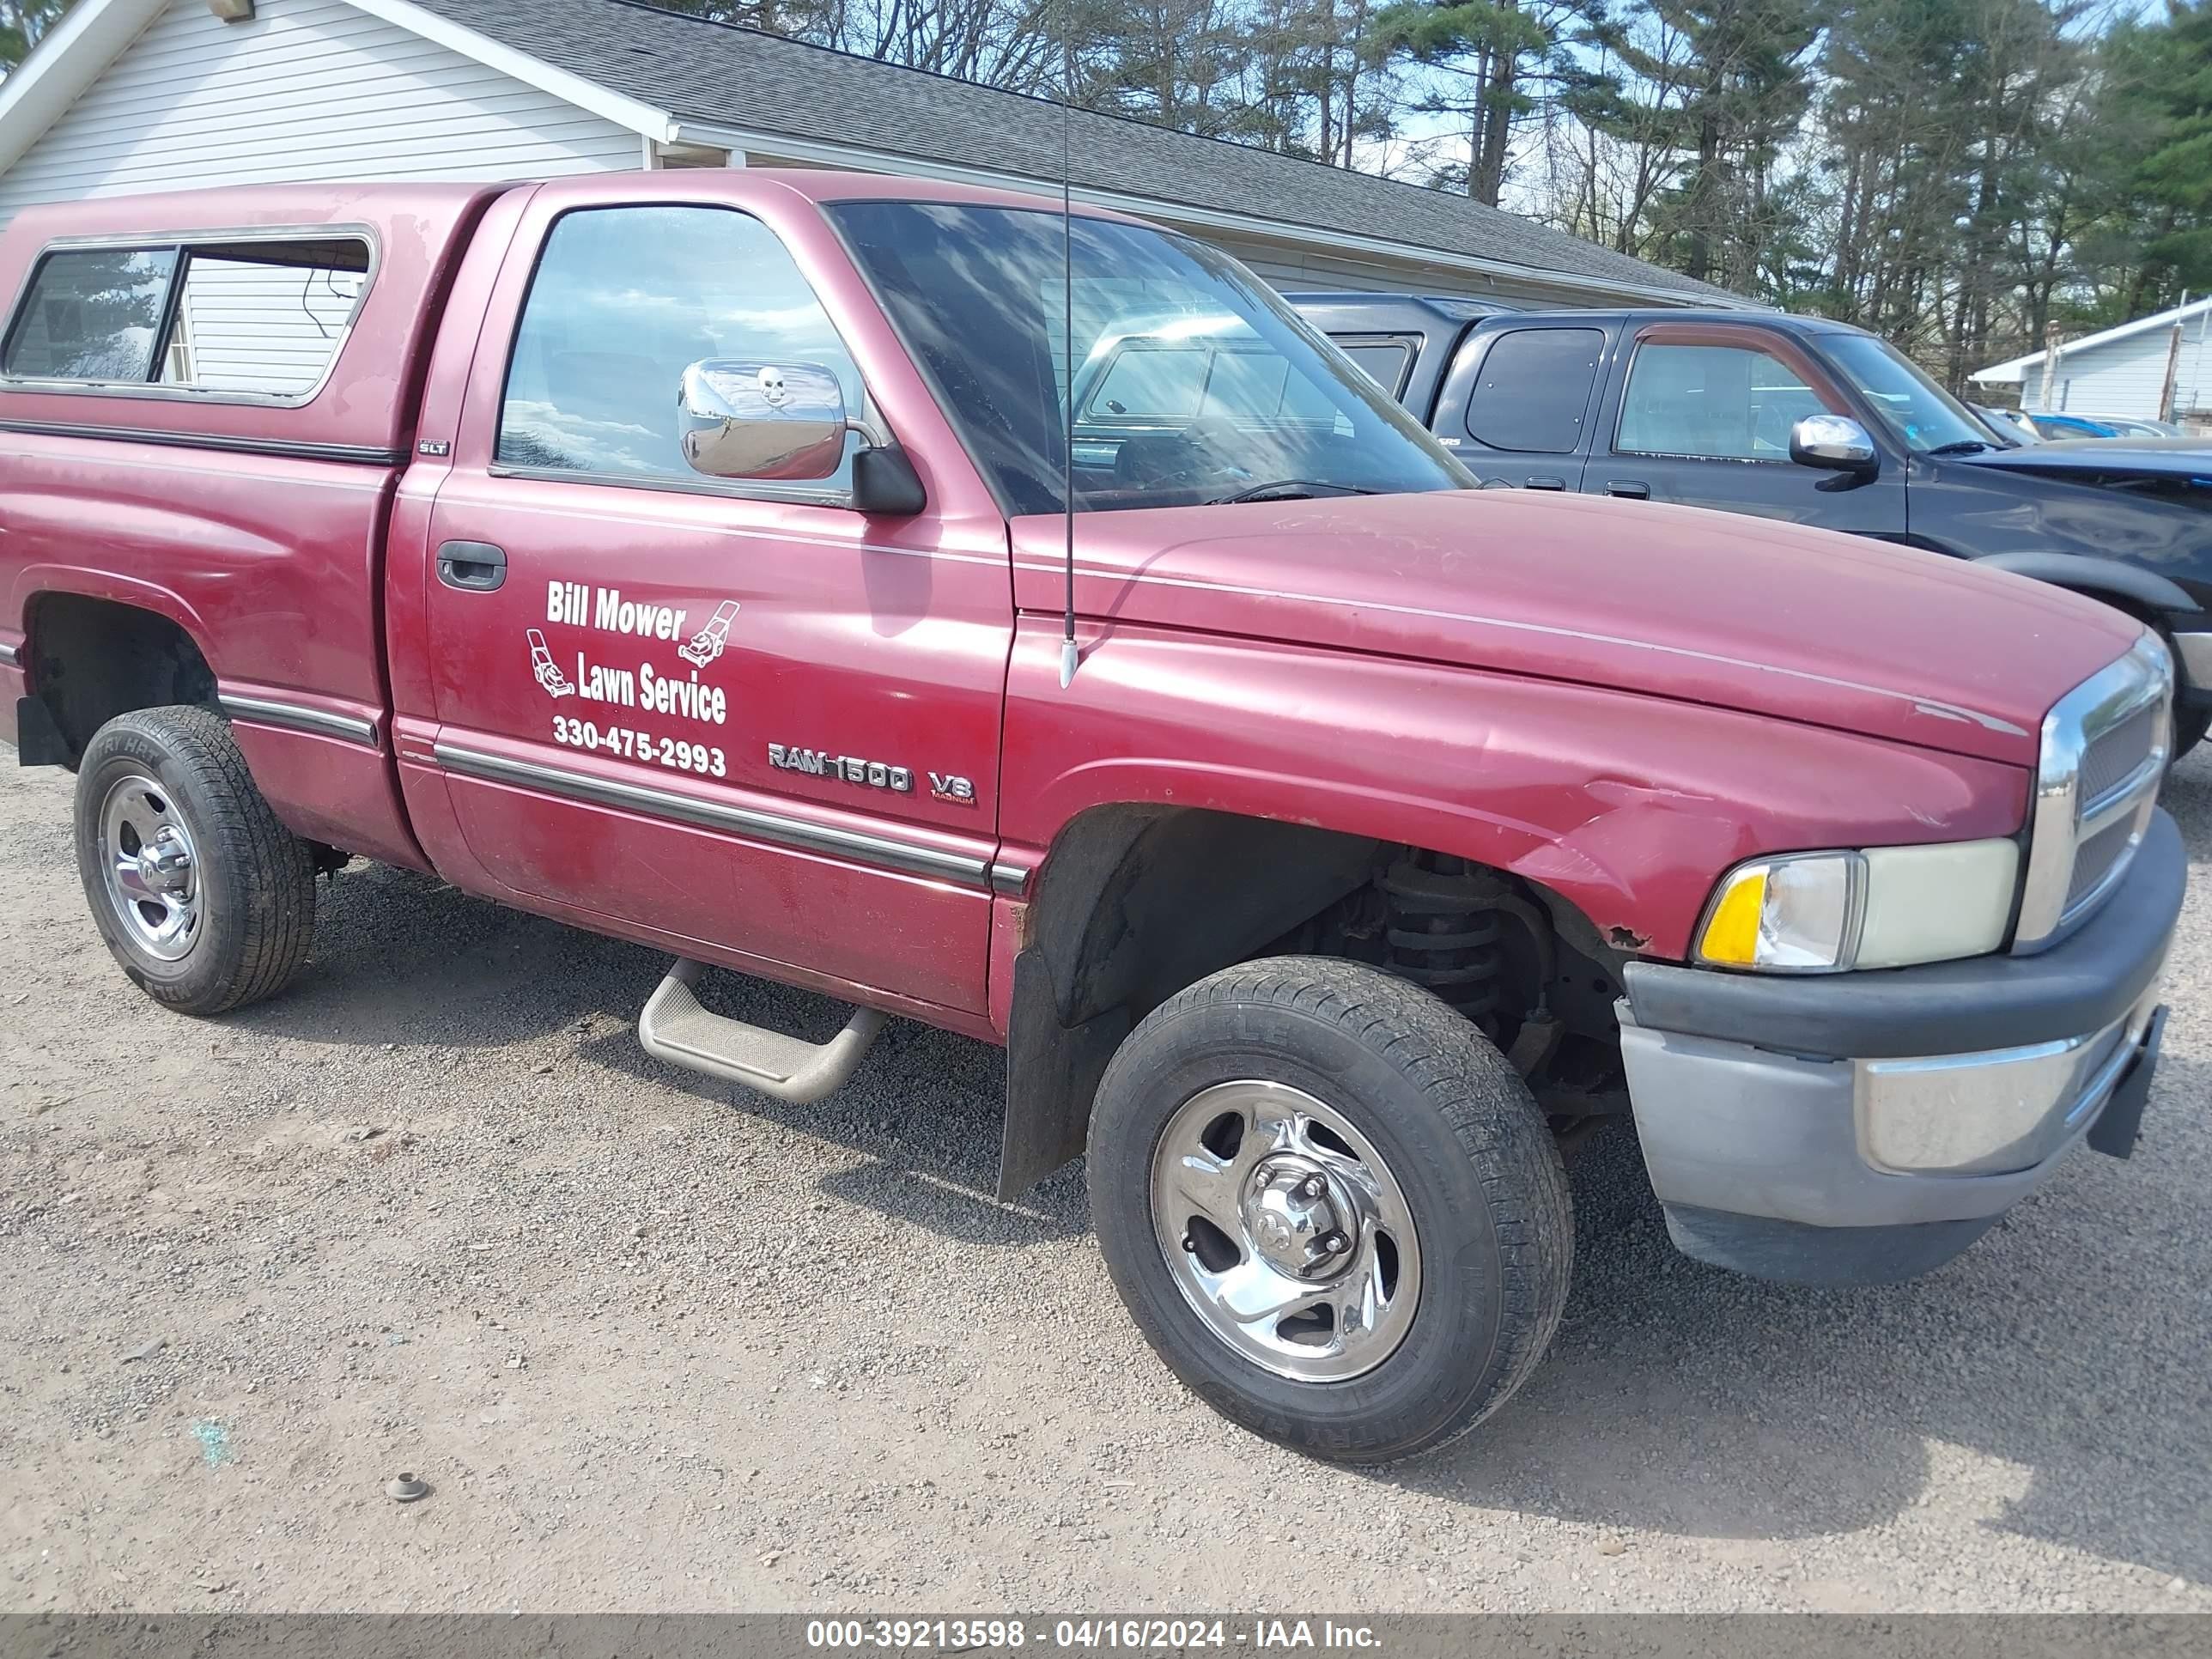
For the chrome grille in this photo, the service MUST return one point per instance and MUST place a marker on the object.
(2112, 757)
(2095, 858)
(2097, 778)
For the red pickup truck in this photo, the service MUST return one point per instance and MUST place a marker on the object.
(686, 556)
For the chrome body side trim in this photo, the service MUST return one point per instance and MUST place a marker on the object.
(322, 722)
(2060, 821)
(1009, 879)
(910, 857)
(10, 656)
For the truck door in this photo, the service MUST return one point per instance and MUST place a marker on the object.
(736, 714)
(1516, 407)
(1702, 418)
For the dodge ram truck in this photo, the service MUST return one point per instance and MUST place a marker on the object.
(1805, 419)
(782, 571)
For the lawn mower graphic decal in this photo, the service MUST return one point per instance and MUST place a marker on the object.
(709, 641)
(555, 683)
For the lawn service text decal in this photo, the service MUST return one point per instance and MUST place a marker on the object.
(680, 693)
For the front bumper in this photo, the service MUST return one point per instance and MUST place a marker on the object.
(1862, 1127)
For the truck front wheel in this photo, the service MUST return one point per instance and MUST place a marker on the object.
(203, 896)
(1331, 1206)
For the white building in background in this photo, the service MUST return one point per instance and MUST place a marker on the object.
(128, 95)
(2124, 370)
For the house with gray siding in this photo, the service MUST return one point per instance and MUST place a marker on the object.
(131, 96)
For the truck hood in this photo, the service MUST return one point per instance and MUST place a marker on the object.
(1748, 614)
(2101, 460)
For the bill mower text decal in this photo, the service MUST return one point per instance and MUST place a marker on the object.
(604, 610)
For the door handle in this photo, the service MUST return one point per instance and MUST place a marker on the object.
(1546, 483)
(1633, 489)
(472, 567)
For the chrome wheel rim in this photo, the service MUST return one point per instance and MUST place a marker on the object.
(1284, 1230)
(152, 869)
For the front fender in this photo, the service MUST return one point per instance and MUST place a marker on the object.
(2100, 578)
(1629, 807)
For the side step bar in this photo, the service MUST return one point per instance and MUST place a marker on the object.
(676, 1029)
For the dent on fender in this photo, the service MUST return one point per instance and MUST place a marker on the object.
(1521, 773)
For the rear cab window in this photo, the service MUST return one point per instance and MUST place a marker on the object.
(252, 316)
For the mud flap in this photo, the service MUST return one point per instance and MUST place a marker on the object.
(2114, 1132)
(1052, 1073)
(38, 741)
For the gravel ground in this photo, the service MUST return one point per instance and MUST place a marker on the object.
(657, 1344)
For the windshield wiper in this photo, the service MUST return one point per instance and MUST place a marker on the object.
(1289, 489)
(1963, 447)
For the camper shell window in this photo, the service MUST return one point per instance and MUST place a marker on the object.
(250, 317)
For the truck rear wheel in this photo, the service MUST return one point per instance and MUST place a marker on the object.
(203, 896)
(1331, 1206)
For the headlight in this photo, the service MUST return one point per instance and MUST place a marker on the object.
(1888, 907)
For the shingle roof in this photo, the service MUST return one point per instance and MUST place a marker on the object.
(715, 73)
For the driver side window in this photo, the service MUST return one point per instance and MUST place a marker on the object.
(624, 300)
(1717, 403)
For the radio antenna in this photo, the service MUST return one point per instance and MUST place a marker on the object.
(1068, 655)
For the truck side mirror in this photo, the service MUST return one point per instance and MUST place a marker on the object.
(774, 420)
(1834, 443)
(786, 423)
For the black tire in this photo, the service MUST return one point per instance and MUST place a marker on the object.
(1462, 1139)
(250, 883)
(2189, 726)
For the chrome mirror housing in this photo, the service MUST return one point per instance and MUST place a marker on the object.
(784, 422)
(1835, 443)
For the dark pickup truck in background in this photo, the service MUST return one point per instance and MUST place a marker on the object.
(1801, 418)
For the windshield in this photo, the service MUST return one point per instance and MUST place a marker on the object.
(1193, 381)
(1911, 405)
